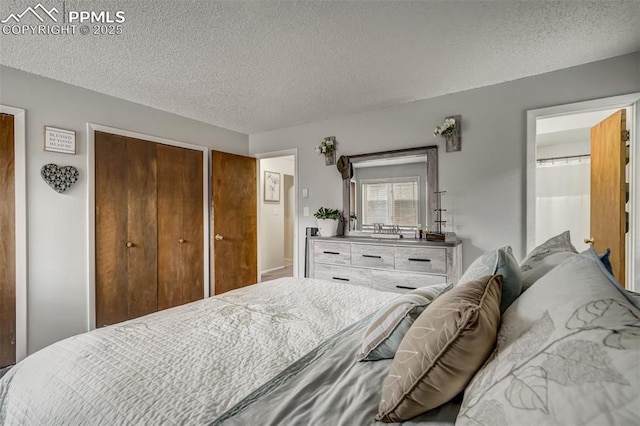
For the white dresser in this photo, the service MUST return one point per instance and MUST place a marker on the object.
(390, 265)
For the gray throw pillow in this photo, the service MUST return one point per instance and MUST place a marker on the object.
(545, 257)
(498, 262)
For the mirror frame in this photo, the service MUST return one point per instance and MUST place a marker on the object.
(431, 151)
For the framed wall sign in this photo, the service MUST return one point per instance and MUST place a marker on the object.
(59, 140)
(271, 186)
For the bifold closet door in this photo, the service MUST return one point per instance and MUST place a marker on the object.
(180, 226)
(7, 242)
(126, 228)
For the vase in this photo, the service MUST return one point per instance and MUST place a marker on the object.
(330, 158)
(328, 227)
(453, 142)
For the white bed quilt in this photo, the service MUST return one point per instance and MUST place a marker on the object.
(185, 365)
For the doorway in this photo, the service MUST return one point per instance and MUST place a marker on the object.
(563, 166)
(277, 218)
(559, 173)
(13, 228)
(7, 243)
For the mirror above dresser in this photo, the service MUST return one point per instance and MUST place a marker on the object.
(394, 188)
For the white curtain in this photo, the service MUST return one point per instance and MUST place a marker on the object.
(563, 200)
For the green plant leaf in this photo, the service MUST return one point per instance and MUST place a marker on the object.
(326, 213)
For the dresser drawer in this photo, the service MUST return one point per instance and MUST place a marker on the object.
(372, 255)
(421, 259)
(343, 274)
(402, 282)
(332, 252)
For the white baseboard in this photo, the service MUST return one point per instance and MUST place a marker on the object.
(271, 270)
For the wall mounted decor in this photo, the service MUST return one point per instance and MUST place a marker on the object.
(60, 178)
(450, 131)
(328, 148)
(59, 140)
(272, 186)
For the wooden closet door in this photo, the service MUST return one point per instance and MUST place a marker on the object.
(7, 242)
(193, 226)
(126, 228)
(180, 226)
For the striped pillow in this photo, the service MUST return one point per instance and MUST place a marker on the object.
(391, 323)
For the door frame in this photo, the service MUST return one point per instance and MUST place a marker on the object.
(273, 154)
(631, 100)
(20, 185)
(91, 231)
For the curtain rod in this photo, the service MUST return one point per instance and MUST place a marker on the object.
(566, 157)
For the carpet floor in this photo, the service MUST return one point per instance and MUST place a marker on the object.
(279, 273)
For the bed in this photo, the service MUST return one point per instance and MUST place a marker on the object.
(559, 345)
(185, 365)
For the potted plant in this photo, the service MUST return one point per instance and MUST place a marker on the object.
(328, 220)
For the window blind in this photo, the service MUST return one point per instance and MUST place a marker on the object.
(390, 202)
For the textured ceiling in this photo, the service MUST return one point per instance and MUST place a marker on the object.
(256, 66)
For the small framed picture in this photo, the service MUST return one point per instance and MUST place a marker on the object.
(271, 186)
(59, 140)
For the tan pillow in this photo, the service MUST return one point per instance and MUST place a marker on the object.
(442, 350)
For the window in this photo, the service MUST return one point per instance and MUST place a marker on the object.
(392, 201)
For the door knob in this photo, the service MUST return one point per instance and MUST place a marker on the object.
(181, 240)
(129, 244)
(589, 241)
(218, 237)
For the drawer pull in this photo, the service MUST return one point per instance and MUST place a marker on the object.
(331, 252)
(372, 256)
(340, 279)
(417, 259)
(405, 287)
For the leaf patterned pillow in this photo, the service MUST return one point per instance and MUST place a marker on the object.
(545, 257)
(567, 353)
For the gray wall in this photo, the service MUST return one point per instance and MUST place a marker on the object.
(57, 223)
(486, 181)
